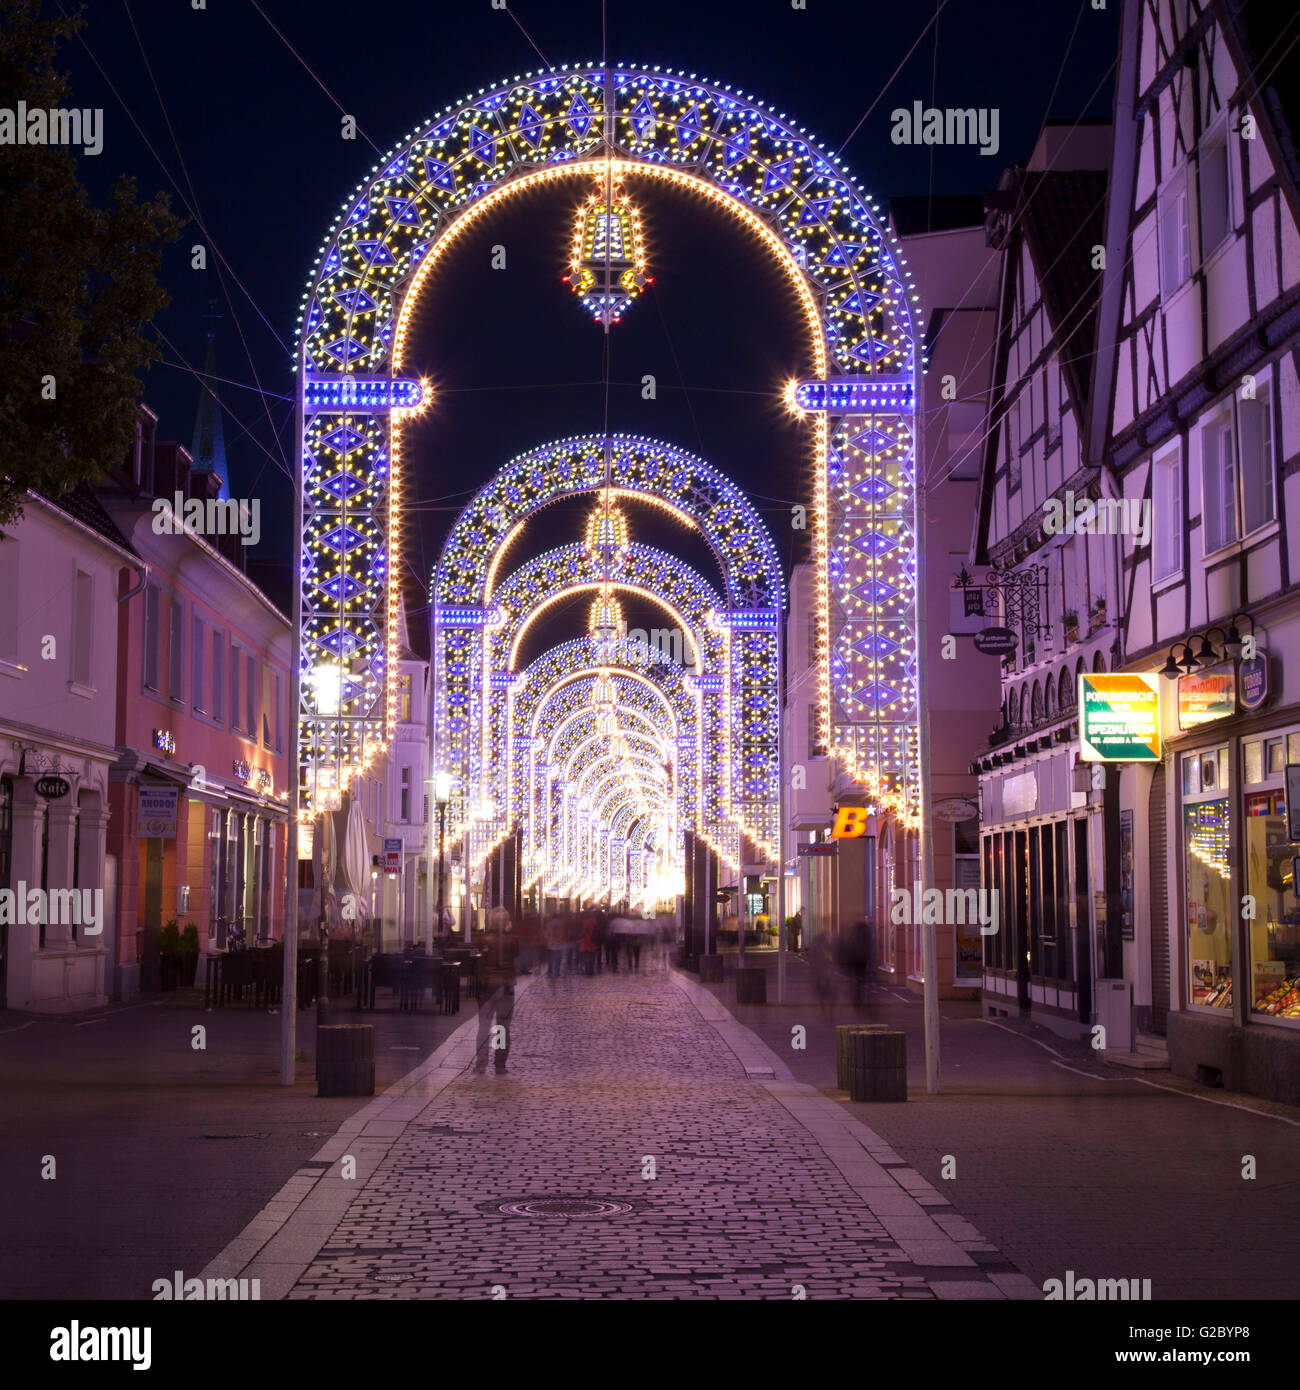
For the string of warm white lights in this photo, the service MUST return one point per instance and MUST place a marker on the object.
(623, 127)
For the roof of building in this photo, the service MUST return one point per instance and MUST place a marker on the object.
(82, 505)
(1064, 218)
(1268, 31)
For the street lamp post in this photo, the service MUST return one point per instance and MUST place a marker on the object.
(441, 796)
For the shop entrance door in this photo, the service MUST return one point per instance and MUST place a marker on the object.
(6, 851)
(1020, 867)
(1159, 905)
(1082, 921)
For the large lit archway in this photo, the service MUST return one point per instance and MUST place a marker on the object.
(845, 272)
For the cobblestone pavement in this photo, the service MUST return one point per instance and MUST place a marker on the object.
(760, 1187)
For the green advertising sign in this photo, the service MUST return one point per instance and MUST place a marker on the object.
(1119, 717)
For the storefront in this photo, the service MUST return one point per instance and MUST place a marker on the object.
(1235, 987)
(1041, 850)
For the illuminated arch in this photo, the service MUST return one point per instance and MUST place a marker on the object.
(480, 617)
(844, 271)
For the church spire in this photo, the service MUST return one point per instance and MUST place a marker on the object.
(209, 445)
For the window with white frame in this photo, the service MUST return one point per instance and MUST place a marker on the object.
(1215, 188)
(1218, 483)
(218, 675)
(1255, 451)
(1167, 504)
(1175, 238)
(152, 642)
(1238, 488)
(198, 652)
(176, 649)
(236, 720)
(9, 609)
(250, 695)
(83, 602)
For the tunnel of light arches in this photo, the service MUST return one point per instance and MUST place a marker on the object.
(776, 184)
(603, 751)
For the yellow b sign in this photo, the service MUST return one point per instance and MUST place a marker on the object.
(850, 822)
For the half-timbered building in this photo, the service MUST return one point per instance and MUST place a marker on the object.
(1042, 578)
(1197, 410)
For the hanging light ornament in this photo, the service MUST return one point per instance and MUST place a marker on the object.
(607, 269)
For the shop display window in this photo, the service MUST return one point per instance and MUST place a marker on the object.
(1274, 932)
(1207, 829)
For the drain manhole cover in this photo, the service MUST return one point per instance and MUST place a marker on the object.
(565, 1208)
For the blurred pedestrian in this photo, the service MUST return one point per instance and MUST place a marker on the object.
(553, 932)
(587, 944)
(572, 935)
(858, 958)
(501, 955)
(601, 935)
(821, 960)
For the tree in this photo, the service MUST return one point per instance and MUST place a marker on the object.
(78, 288)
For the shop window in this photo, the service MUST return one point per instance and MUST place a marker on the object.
(1253, 762)
(1209, 920)
(1274, 932)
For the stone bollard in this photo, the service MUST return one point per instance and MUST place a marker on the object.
(711, 970)
(345, 1060)
(751, 985)
(843, 1055)
(879, 1066)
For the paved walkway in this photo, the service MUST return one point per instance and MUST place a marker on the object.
(725, 1177)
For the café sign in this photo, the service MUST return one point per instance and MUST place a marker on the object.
(1119, 717)
(1205, 696)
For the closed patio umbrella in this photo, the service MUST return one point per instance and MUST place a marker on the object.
(356, 864)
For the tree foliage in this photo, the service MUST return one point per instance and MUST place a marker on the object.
(78, 287)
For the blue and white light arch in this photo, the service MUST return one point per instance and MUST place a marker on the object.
(778, 185)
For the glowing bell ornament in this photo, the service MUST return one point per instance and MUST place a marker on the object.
(607, 268)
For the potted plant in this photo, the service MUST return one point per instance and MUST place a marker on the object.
(1097, 614)
(169, 955)
(189, 957)
(1070, 622)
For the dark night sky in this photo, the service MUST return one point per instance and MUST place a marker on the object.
(254, 148)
